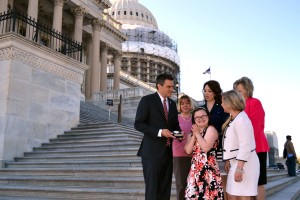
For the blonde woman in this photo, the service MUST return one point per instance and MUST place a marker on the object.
(256, 114)
(182, 160)
(242, 163)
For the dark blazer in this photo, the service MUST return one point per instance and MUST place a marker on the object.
(149, 119)
(217, 116)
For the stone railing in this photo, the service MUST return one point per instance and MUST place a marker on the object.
(126, 93)
(136, 81)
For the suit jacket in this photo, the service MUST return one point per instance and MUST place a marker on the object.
(217, 116)
(238, 141)
(149, 119)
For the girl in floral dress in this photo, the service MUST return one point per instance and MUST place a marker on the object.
(204, 179)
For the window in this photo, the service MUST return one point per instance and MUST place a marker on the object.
(130, 12)
(119, 12)
(137, 14)
(142, 15)
(124, 12)
(113, 13)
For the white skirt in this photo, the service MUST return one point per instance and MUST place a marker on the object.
(249, 183)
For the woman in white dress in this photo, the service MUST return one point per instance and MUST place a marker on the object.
(242, 164)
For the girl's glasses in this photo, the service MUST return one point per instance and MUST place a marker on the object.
(201, 117)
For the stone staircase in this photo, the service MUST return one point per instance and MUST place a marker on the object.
(91, 113)
(95, 161)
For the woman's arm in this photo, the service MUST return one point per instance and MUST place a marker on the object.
(190, 144)
(207, 142)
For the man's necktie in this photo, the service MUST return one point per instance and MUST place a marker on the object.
(166, 116)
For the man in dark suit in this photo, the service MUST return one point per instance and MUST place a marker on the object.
(156, 147)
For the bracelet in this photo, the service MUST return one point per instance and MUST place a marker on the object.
(240, 170)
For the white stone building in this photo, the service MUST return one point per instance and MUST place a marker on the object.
(56, 53)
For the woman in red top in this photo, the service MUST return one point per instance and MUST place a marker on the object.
(256, 114)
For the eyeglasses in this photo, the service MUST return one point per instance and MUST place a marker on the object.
(201, 117)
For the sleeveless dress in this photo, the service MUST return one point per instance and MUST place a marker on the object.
(204, 179)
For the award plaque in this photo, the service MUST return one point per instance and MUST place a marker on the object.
(177, 134)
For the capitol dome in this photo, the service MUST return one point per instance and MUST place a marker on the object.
(131, 12)
(147, 51)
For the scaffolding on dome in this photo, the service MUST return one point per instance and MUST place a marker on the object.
(151, 42)
(150, 36)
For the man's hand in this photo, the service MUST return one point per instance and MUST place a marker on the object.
(166, 133)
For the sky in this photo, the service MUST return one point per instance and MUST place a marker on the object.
(259, 39)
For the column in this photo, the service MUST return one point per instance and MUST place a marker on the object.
(103, 60)
(117, 64)
(78, 13)
(155, 69)
(57, 16)
(88, 51)
(95, 68)
(32, 11)
(3, 8)
(57, 23)
(139, 69)
(148, 71)
(129, 66)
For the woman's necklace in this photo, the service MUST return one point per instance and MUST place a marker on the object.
(233, 116)
(209, 106)
(187, 120)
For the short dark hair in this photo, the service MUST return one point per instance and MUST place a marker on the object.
(216, 88)
(160, 79)
(288, 137)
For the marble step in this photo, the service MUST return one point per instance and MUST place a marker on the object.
(76, 164)
(96, 157)
(74, 172)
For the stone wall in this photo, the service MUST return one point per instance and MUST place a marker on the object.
(40, 92)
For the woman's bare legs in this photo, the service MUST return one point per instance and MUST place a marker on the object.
(232, 197)
(261, 192)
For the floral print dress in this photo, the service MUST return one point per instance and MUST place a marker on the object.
(204, 179)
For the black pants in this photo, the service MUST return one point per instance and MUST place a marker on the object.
(158, 176)
(181, 167)
(291, 166)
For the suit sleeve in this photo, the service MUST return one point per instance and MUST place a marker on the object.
(142, 119)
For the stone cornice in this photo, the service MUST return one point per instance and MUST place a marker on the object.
(108, 27)
(12, 53)
(15, 47)
(104, 4)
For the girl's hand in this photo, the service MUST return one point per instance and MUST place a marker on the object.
(195, 129)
